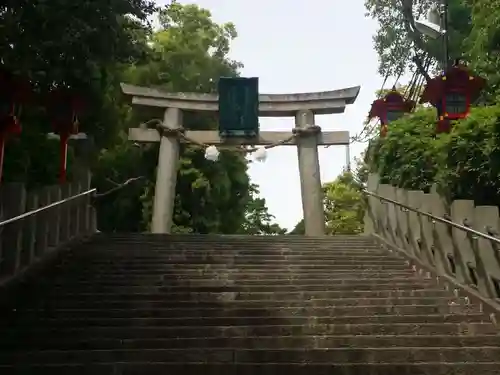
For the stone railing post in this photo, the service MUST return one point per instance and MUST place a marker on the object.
(74, 209)
(13, 197)
(42, 224)
(401, 218)
(370, 220)
(65, 214)
(54, 216)
(414, 231)
(486, 219)
(85, 207)
(443, 245)
(29, 253)
(388, 214)
(460, 211)
(419, 229)
(310, 177)
(166, 175)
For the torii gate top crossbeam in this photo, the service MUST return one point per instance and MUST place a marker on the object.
(270, 105)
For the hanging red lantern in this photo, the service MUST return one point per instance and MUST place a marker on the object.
(391, 107)
(453, 92)
(14, 92)
(64, 107)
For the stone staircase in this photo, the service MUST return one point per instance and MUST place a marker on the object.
(148, 304)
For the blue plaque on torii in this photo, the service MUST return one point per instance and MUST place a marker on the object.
(238, 107)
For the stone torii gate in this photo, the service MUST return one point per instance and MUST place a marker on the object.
(301, 106)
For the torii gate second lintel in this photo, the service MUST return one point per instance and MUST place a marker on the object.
(302, 106)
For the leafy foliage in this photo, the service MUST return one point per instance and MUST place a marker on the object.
(482, 45)
(53, 44)
(471, 154)
(464, 164)
(344, 206)
(406, 157)
(258, 219)
(92, 48)
(398, 43)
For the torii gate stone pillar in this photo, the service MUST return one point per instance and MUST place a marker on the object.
(301, 106)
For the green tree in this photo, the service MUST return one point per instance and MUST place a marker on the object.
(55, 44)
(344, 206)
(482, 45)
(406, 157)
(258, 219)
(401, 47)
(463, 164)
(188, 53)
(299, 228)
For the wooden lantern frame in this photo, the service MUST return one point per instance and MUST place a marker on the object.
(456, 80)
(392, 101)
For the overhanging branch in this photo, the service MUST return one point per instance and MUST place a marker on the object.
(416, 38)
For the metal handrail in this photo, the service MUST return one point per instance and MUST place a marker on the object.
(47, 207)
(437, 218)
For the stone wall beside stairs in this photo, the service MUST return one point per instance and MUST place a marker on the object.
(465, 257)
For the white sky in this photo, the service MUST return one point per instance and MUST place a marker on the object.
(302, 46)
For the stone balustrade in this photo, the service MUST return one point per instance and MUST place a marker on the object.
(435, 233)
(35, 223)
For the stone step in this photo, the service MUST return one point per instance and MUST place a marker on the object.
(158, 267)
(401, 285)
(162, 368)
(190, 251)
(243, 283)
(174, 318)
(228, 238)
(134, 330)
(228, 355)
(89, 274)
(247, 253)
(313, 244)
(144, 262)
(282, 262)
(325, 248)
(261, 342)
(252, 296)
(235, 247)
(169, 309)
(232, 300)
(231, 242)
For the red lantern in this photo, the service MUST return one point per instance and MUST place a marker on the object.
(391, 107)
(64, 107)
(453, 92)
(13, 93)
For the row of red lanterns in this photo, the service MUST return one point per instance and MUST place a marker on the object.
(63, 106)
(450, 93)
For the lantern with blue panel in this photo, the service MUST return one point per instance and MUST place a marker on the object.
(390, 108)
(238, 107)
(452, 94)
